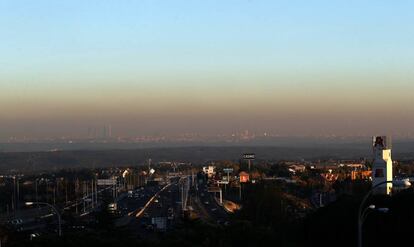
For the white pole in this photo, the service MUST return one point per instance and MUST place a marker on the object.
(66, 192)
(18, 193)
(221, 197)
(96, 191)
(37, 198)
(92, 195)
(240, 191)
(87, 192)
(14, 194)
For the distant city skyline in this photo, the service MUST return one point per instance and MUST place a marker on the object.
(171, 67)
(104, 134)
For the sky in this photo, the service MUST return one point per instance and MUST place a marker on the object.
(169, 67)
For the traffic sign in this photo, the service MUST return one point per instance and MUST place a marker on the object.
(228, 170)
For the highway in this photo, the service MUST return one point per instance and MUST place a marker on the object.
(147, 209)
(163, 204)
(148, 203)
(209, 209)
(166, 205)
(132, 204)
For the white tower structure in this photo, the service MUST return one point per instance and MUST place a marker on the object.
(382, 165)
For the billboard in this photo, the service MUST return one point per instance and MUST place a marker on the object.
(244, 177)
(249, 156)
(103, 182)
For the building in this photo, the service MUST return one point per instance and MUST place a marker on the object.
(361, 175)
(382, 165)
(355, 166)
(209, 170)
(297, 168)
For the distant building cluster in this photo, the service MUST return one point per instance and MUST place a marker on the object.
(105, 132)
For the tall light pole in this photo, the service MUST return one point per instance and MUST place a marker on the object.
(54, 209)
(37, 198)
(361, 211)
(14, 195)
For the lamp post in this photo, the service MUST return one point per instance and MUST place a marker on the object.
(362, 212)
(53, 208)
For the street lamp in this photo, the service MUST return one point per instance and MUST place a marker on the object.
(53, 208)
(371, 208)
(366, 212)
(362, 213)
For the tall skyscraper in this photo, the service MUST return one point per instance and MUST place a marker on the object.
(382, 165)
(104, 132)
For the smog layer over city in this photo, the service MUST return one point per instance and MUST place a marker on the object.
(206, 123)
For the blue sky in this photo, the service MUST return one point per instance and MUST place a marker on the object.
(206, 34)
(95, 58)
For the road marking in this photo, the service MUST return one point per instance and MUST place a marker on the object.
(149, 202)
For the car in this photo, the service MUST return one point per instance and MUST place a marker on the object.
(213, 209)
(17, 222)
(206, 202)
(219, 222)
(34, 235)
(78, 227)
